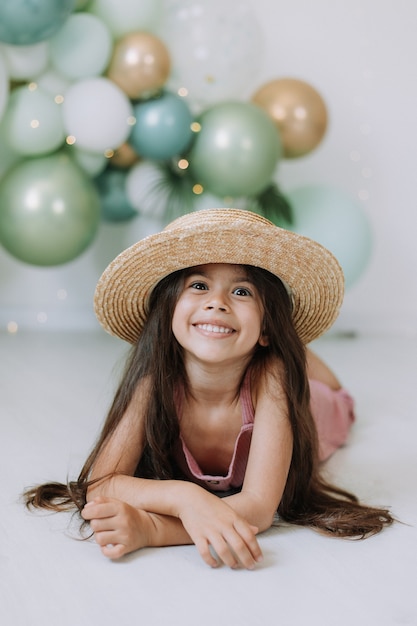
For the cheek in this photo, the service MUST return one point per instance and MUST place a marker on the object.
(179, 317)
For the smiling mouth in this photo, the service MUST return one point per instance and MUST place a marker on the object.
(212, 328)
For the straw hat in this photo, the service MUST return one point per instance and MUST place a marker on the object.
(310, 272)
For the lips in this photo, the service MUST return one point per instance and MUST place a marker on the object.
(214, 328)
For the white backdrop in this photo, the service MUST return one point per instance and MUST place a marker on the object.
(360, 55)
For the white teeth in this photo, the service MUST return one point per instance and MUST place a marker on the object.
(215, 329)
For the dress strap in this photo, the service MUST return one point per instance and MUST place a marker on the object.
(248, 412)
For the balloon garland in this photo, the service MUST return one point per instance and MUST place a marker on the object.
(112, 109)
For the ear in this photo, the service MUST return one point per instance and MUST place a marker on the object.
(263, 341)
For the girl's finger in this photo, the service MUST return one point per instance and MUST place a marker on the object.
(203, 547)
(95, 510)
(106, 538)
(99, 525)
(227, 556)
(113, 551)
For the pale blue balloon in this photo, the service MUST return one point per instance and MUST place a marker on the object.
(334, 219)
(163, 127)
(25, 22)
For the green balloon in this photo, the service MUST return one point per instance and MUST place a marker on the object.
(236, 151)
(49, 210)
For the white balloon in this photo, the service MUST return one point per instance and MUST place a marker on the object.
(215, 46)
(144, 189)
(126, 16)
(4, 85)
(97, 114)
(82, 47)
(26, 62)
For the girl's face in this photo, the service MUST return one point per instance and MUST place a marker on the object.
(218, 316)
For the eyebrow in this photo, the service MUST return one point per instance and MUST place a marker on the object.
(239, 279)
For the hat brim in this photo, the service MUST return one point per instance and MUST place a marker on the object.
(234, 236)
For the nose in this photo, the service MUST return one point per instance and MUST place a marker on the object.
(216, 301)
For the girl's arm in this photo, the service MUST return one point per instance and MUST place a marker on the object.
(269, 457)
(318, 370)
(127, 513)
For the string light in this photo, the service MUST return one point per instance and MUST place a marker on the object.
(12, 328)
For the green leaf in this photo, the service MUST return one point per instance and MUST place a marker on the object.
(272, 204)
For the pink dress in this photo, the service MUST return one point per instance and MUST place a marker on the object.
(333, 413)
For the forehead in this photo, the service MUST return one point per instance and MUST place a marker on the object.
(229, 270)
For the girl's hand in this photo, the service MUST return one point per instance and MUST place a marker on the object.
(212, 522)
(118, 527)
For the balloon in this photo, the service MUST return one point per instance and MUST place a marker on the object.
(140, 64)
(145, 189)
(80, 5)
(124, 157)
(82, 47)
(34, 122)
(49, 211)
(26, 62)
(4, 85)
(163, 127)
(97, 114)
(236, 151)
(215, 46)
(53, 83)
(115, 205)
(92, 163)
(127, 16)
(336, 221)
(8, 157)
(24, 23)
(298, 111)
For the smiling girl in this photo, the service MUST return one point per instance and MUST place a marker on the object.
(223, 415)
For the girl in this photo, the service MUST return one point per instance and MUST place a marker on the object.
(220, 396)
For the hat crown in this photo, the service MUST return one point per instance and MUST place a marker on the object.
(208, 217)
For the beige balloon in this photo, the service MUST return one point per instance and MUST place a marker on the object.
(124, 157)
(140, 64)
(298, 111)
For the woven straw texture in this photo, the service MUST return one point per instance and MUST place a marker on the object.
(235, 236)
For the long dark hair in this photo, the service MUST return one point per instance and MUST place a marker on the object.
(308, 499)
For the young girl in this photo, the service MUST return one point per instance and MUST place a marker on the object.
(220, 396)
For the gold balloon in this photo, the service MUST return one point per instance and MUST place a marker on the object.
(124, 157)
(298, 111)
(140, 64)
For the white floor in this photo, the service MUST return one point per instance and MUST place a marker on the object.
(54, 392)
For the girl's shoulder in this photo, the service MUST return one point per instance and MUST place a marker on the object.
(268, 380)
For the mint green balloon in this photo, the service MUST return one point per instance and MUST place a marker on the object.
(236, 151)
(49, 210)
(337, 221)
(34, 122)
(82, 47)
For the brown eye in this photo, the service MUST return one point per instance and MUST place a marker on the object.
(199, 286)
(241, 291)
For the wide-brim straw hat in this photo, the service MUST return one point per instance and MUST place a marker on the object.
(309, 271)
